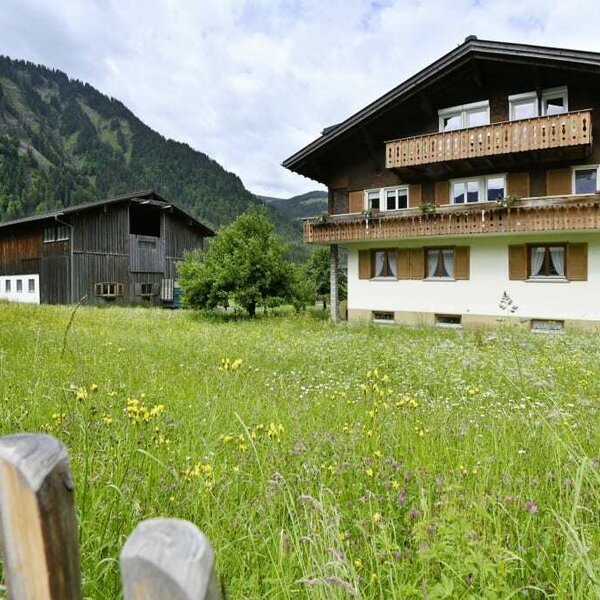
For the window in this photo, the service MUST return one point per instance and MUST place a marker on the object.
(448, 321)
(384, 263)
(146, 289)
(19, 285)
(109, 290)
(585, 179)
(49, 234)
(58, 233)
(478, 189)
(31, 286)
(440, 263)
(466, 115)
(7, 286)
(144, 219)
(383, 316)
(547, 326)
(395, 198)
(553, 101)
(547, 261)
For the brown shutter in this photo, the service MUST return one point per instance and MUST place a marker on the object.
(517, 262)
(517, 184)
(364, 264)
(356, 203)
(403, 263)
(417, 263)
(558, 182)
(442, 192)
(577, 262)
(461, 262)
(414, 195)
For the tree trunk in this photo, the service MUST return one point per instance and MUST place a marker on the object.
(333, 283)
(252, 309)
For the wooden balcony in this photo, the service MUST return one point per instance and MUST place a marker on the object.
(569, 130)
(568, 213)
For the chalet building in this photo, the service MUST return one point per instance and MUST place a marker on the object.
(122, 250)
(476, 176)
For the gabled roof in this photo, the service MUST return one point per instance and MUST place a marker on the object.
(140, 197)
(470, 48)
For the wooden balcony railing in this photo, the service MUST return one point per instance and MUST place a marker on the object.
(556, 131)
(570, 213)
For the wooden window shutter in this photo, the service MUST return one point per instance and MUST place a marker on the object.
(403, 263)
(356, 203)
(577, 262)
(517, 184)
(441, 192)
(364, 264)
(517, 262)
(558, 182)
(415, 195)
(461, 262)
(417, 263)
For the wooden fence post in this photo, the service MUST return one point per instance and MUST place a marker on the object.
(37, 519)
(168, 559)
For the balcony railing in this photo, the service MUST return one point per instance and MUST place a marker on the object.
(568, 213)
(556, 131)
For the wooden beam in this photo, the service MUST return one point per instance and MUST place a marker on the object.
(37, 516)
(168, 559)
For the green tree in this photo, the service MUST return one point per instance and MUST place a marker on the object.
(243, 264)
(317, 271)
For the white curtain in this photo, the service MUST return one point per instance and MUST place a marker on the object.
(432, 262)
(379, 264)
(449, 262)
(537, 260)
(557, 256)
(392, 264)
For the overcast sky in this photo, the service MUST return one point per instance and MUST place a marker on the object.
(250, 82)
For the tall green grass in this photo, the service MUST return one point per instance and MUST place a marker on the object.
(322, 461)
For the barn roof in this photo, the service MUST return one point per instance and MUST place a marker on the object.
(139, 197)
(470, 49)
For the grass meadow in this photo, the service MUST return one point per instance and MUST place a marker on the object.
(322, 461)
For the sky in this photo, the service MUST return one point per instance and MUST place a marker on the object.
(250, 82)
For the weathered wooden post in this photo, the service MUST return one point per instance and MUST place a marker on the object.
(333, 282)
(37, 519)
(168, 559)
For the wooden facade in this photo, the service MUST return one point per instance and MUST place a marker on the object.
(133, 242)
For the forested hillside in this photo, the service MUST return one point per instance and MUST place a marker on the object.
(299, 207)
(63, 143)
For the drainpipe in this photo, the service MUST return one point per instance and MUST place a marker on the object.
(71, 273)
(333, 283)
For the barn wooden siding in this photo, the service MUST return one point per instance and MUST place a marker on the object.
(103, 251)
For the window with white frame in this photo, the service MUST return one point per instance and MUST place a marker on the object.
(585, 179)
(395, 198)
(439, 263)
(465, 115)
(478, 189)
(552, 101)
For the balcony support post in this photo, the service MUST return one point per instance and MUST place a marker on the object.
(333, 283)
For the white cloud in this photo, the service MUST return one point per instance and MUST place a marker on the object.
(250, 82)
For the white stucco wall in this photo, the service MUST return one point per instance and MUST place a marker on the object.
(23, 296)
(481, 294)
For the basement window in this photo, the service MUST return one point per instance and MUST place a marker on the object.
(31, 286)
(144, 220)
(109, 289)
(380, 316)
(146, 289)
(547, 326)
(19, 285)
(452, 321)
(7, 286)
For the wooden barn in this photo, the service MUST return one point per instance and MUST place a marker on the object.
(121, 250)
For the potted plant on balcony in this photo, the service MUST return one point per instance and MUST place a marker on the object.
(321, 219)
(508, 201)
(428, 208)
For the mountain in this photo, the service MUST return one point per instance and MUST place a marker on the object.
(299, 207)
(63, 143)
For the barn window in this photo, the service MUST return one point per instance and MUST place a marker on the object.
(49, 234)
(144, 220)
(19, 285)
(31, 286)
(109, 289)
(146, 289)
(58, 233)
(7, 285)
